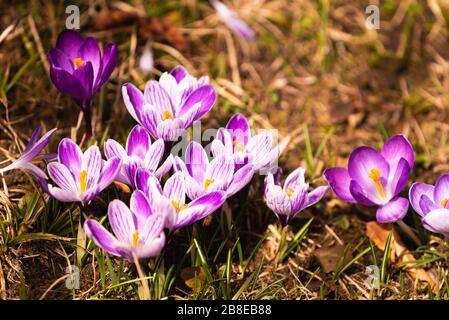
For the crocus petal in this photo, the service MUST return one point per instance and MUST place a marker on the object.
(133, 99)
(170, 85)
(361, 164)
(239, 128)
(416, 191)
(224, 139)
(110, 58)
(69, 41)
(33, 148)
(175, 189)
(101, 237)
(61, 176)
(67, 83)
(89, 51)
(92, 163)
(156, 96)
(259, 148)
(295, 179)
(220, 169)
(154, 155)
(63, 195)
(152, 248)
(241, 178)
(427, 205)
(339, 181)
(70, 155)
(147, 182)
(114, 149)
(60, 59)
(361, 196)
(205, 95)
(121, 220)
(140, 207)
(179, 73)
(393, 211)
(277, 200)
(170, 130)
(196, 161)
(232, 20)
(441, 190)
(138, 142)
(400, 178)
(315, 196)
(109, 172)
(34, 170)
(149, 117)
(165, 167)
(85, 76)
(437, 221)
(396, 148)
(298, 198)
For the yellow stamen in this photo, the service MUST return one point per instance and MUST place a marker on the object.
(207, 183)
(375, 176)
(238, 145)
(83, 181)
(444, 202)
(136, 238)
(289, 192)
(177, 206)
(167, 115)
(78, 62)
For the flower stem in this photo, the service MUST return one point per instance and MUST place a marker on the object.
(143, 281)
(409, 232)
(88, 123)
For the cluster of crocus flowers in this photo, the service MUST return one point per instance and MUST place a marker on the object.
(376, 178)
(289, 200)
(78, 69)
(169, 106)
(30, 153)
(431, 203)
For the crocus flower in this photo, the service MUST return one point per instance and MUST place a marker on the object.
(204, 176)
(235, 140)
(80, 176)
(169, 106)
(138, 153)
(146, 62)
(138, 231)
(376, 178)
(78, 69)
(171, 199)
(431, 203)
(232, 20)
(31, 151)
(287, 201)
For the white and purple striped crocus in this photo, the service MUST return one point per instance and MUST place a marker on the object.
(139, 152)
(169, 106)
(236, 140)
(31, 151)
(171, 200)
(232, 20)
(432, 204)
(376, 178)
(138, 230)
(78, 69)
(204, 176)
(287, 201)
(79, 176)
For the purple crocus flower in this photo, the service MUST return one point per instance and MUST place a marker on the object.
(376, 178)
(78, 69)
(80, 176)
(138, 153)
(235, 140)
(232, 20)
(287, 201)
(138, 230)
(431, 203)
(203, 176)
(172, 200)
(169, 106)
(31, 151)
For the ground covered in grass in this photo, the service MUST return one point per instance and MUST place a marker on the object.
(314, 72)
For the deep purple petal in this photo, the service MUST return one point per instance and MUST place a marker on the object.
(240, 131)
(90, 52)
(69, 41)
(393, 211)
(315, 196)
(85, 76)
(360, 195)
(339, 181)
(205, 95)
(400, 178)
(138, 142)
(67, 83)
(58, 58)
(179, 73)
(416, 191)
(110, 59)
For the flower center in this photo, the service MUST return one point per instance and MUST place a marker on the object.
(177, 206)
(444, 202)
(135, 238)
(375, 176)
(207, 183)
(83, 181)
(78, 62)
(289, 192)
(238, 145)
(167, 115)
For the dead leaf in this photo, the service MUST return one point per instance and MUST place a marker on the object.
(188, 276)
(123, 187)
(378, 233)
(328, 256)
